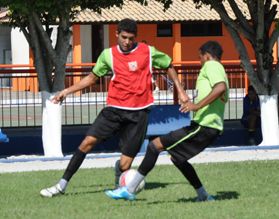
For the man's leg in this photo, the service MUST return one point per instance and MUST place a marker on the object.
(131, 137)
(152, 153)
(122, 165)
(190, 174)
(153, 150)
(195, 140)
(252, 126)
(86, 146)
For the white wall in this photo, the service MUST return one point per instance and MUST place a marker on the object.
(20, 47)
(106, 36)
(15, 41)
(86, 43)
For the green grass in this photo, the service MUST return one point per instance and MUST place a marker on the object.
(242, 189)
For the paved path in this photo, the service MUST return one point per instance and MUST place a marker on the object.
(220, 154)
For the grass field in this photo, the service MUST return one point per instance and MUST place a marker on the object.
(242, 190)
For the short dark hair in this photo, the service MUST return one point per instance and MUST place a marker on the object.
(251, 88)
(128, 25)
(213, 48)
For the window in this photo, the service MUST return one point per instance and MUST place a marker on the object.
(164, 30)
(201, 29)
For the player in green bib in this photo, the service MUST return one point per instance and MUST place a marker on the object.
(207, 124)
(212, 114)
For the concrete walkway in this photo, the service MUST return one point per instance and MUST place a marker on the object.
(219, 154)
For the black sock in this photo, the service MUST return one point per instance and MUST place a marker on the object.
(189, 172)
(74, 164)
(117, 171)
(149, 159)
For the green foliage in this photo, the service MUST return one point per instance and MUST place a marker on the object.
(242, 190)
(199, 3)
(51, 10)
(35, 17)
(166, 3)
(55, 8)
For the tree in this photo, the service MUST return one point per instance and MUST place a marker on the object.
(253, 20)
(257, 27)
(36, 18)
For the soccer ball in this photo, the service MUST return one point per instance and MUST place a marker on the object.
(127, 176)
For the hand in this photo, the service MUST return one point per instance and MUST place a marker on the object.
(189, 106)
(59, 97)
(183, 98)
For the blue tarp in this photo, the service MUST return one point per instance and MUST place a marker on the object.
(3, 137)
(166, 118)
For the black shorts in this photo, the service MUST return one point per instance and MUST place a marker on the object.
(129, 125)
(185, 143)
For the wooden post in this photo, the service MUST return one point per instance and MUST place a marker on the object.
(33, 82)
(246, 81)
(176, 54)
(76, 51)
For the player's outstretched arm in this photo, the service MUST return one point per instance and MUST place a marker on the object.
(182, 96)
(83, 83)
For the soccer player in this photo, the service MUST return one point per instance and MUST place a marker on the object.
(129, 97)
(251, 118)
(3, 137)
(207, 123)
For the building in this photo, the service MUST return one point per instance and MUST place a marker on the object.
(179, 32)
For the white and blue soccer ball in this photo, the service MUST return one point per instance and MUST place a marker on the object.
(127, 176)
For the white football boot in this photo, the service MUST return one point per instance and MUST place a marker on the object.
(52, 191)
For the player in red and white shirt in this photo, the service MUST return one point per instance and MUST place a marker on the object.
(129, 96)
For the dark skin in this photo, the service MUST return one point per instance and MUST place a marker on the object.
(126, 41)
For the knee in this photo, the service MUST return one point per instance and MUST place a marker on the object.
(156, 146)
(125, 162)
(125, 165)
(87, 144)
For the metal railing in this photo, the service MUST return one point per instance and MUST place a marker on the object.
(21, 103)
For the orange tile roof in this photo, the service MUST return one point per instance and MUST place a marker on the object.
(178, 11)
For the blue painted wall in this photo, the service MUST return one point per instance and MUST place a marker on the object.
(162, 119)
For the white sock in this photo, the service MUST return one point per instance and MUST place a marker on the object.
(202, 193)
(63, 184)
(132, 186)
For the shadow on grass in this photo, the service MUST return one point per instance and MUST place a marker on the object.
(84, 192)
(97, 188)
(89, 189)
(155, 185)
(218, 197)
(226, 195)
(97, 185)
(100, 188)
